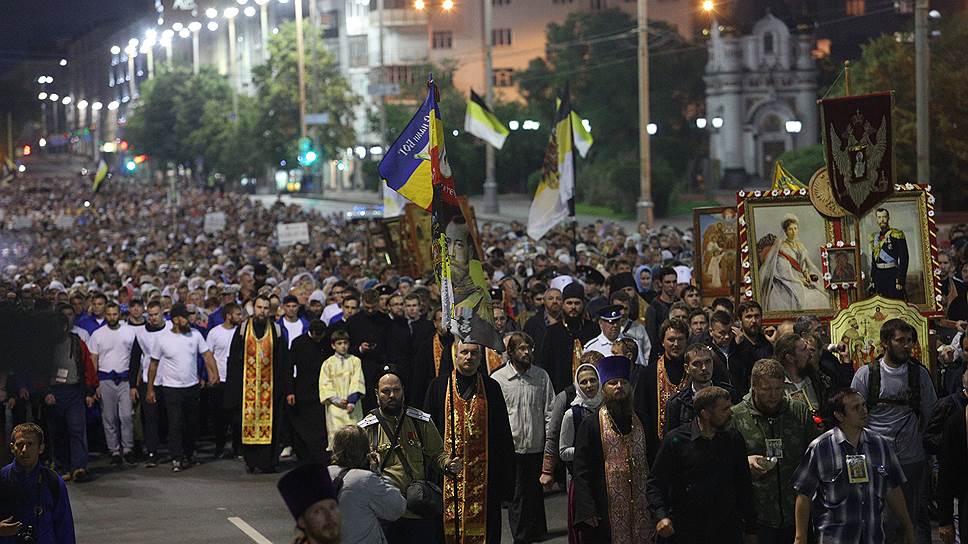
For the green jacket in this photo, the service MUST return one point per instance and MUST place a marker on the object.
(773, 492)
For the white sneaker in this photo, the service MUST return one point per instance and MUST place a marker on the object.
(286, 453)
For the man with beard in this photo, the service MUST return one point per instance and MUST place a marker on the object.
(111, 354)
(776, 431)
(700, 489)
(311, 499)
(259, 362)
(750, 344)
(220, 340)
(720, 342)
(306, 416)
(662, 381)
(470, 408)
(538, 325)
(802, 381)
(900, 396)
(528, 393)
(658, 311)
(433, 357)
(889, 258)
(174, 364)
(699, 371)
(368, 341)
(398, 337)
(141, 352)
(410, 448)
(610, 472)
(564, 340)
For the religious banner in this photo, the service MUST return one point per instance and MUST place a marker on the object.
(858, 330)
(716, 251)
(858, 143)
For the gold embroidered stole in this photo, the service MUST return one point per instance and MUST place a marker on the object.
(576, 351)
(626, 470)
(257, 386)
(438, 351)
(643, 308)
(465, 432)
(666, 390)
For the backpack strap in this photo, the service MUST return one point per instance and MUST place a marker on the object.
(874, 385)
(338, 481)
(53, 485)
(914, 388)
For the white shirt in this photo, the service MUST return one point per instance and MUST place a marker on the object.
(293, 329)
(112, 347)
(220, 340)
(603, 345)
(146, 339)
(177, 357)
(83, 334)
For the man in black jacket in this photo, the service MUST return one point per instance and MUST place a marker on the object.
(306, 416)
(368, 341)
(564, 340)
(699, 369)
(750, 344)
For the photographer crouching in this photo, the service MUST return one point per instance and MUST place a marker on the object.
(42, 512)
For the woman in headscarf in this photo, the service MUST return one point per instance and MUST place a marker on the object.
(588, 398)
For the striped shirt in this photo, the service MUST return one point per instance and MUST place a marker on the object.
(847, 512)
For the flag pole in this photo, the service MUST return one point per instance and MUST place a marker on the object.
(451, 391)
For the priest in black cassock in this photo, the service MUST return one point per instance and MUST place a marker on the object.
(661, 381)
(307, 416)
(610, 468)
(432, 358)
(563, 343)
(368, 341)
(258, 385)
(466, 405)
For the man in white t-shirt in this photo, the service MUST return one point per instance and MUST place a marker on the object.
(174, 365)
(155, 325)
(220, 340)
(110, 349)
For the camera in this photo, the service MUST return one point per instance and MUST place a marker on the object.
(26, 535)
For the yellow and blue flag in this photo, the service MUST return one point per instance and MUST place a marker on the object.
(406, 165)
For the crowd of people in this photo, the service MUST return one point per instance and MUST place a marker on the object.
(132, 332)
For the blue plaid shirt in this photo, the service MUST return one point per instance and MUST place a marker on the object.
(847, 512)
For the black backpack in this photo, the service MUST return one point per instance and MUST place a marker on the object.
(913, 400)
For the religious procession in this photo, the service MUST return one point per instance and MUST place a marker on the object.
(789, 370)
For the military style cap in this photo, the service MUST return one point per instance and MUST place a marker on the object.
(612, 312)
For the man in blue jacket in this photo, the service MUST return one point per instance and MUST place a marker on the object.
(45, 509)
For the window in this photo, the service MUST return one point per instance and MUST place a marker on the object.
(402, 74)
(390, 4)
(855, 7)
(597, 5)
(768, 43)
(358, 51)
(501, 36)
(503, 77)
(501, 2)
(562, 1)
(443, 39)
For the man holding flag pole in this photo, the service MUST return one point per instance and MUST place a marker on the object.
(466, 404)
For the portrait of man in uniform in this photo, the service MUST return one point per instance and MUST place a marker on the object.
(889, 258)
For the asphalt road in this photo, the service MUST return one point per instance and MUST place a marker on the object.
(205, 504)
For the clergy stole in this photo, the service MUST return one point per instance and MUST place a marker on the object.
(465, 430)
(257, 387)
(626, 471)
(494, 360)
(666, 390)
(576, 351)
(643, 308)
(438, 352)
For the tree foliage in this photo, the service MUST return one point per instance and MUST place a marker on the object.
(887, 63)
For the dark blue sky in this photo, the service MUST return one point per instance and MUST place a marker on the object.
(35, 29)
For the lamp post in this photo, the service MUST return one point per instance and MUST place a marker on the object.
(264, 27)
(645, 207)
(922, 60)
(230, 13)
(490, 184)
(301, 67)
(194, 27)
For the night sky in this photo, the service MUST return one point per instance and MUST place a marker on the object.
(37, 29)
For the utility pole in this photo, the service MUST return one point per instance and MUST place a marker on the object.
(10, 135)
(264, 28)
(922, 55)
(233, 64)
(301, 66)
(382, 79)
(645, 207)
(490, 185)
(195, 52)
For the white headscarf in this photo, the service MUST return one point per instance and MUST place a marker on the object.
(589, 403)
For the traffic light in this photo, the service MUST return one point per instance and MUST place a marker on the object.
(307, 155)
(27, 151)
(130, 166)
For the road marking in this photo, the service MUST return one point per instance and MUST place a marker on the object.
(249, 531)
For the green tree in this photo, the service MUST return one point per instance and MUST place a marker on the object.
(153, 125)
(886, 64)
(595, 53)
(277, 91)
(803, 163)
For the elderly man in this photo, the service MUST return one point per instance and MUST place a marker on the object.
(610, 472)
(528, 393)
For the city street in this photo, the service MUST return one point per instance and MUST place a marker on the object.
(215, 503)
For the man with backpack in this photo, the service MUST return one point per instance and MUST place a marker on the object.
(44, 509)
(900, 397)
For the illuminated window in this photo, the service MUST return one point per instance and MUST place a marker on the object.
(503, 77)
(501, 36)
(855, 7)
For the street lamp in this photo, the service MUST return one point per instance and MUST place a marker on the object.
(717, 122)
(249, 11)
(41, 80)
(447, 5)
(184, 33)
(96, 106)
(212, 25)
(54, 97)
(419, 5)
(211, 13)
(115, 49)
(42, 96)
(113, 105)
(708, 5)
(63, 62)
(177, 27)
(66, 100)
(793, 127)
(652, 128)
(82, 105)
(230, 12)
(701, 122)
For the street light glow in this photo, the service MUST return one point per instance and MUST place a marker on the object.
(651, 128)
(194, 26)
(793, 127)
(54, 97)
(717, 122)
(242, 2)
(249, 11)
(701, 122)
(514, 124)
(96, 106)
(211, 13)
(262, 2)
(184, 33)
(82, 105)
(177, 27)
(133, 42)
(447, 5)
(63, 62)
(707, 5)
(230, 12)
(41, 80)
(115, 49)
(213, 26)
(419, 5)
(113, 105)
(167, 35)
(42, 96)
(66, 100)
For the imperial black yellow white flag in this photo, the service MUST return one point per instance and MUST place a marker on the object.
(481, 122)
(102, 173)
(554, 199)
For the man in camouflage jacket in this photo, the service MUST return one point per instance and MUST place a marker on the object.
(777, 431)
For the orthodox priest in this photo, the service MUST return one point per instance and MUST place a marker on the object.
(662, 381)
(610, 469)
(564, 340)
(469, 408)
(259, 380)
